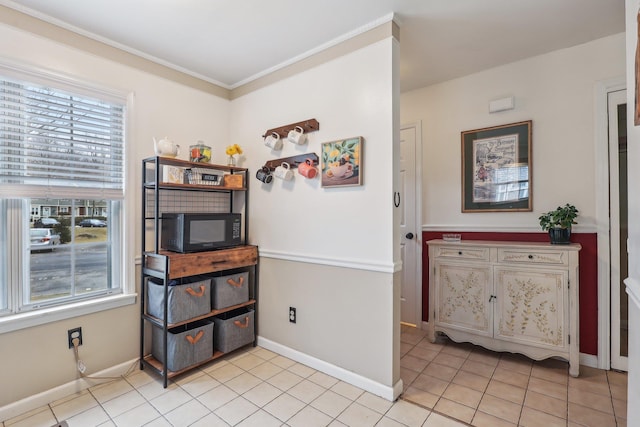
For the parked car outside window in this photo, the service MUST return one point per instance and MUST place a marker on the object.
(92, 223)
(43, 239)
(45, 223)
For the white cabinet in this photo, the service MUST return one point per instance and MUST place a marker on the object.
(507, 296)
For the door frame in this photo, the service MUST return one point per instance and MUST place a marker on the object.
(616, 279)
(418, 217)
(602, 216)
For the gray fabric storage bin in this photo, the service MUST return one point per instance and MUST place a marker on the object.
(234, 329)
(230, 290)
(186, 345)
(185, 301)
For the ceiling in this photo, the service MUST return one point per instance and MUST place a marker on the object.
(232, 42)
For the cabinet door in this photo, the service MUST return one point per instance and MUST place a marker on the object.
(531, 307)
(462, 293)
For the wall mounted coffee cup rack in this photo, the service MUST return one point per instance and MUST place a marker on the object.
(310, 125)
(293, 161)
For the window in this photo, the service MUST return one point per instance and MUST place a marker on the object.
(61, 163)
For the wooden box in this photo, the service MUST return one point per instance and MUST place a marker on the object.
(233, 181)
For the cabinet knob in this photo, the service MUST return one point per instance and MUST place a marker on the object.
(459, 252)
(530, 256)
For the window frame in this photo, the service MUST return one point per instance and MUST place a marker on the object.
(12, 319)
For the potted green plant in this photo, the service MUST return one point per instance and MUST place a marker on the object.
(558, 223)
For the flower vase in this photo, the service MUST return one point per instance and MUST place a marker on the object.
(231, 161)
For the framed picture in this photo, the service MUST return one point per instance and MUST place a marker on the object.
(341, 162)
(496, 168)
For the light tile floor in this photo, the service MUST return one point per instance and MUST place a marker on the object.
(253, 387)
(256, 387)
(488, 389)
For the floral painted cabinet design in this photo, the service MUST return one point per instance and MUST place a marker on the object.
(462, 297)
(506, 296)
(530, 307)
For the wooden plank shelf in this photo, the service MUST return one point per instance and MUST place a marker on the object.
(172, 161)
(159, 366)
(159, 322)
(194, 187)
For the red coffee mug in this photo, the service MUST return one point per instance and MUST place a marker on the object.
(307, 169)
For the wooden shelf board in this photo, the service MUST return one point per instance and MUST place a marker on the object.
(172, 161)
(159, 322)
(159, 366)
(193, 187)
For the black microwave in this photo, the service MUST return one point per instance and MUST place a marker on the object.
(193, 232)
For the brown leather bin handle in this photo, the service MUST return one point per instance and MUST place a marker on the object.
(193, 293)
(195, 339)
(239, 324)
(234, 283)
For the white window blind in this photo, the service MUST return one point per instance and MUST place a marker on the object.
(54, 143)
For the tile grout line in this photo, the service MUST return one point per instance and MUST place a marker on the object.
(410, 345)
(433, 410)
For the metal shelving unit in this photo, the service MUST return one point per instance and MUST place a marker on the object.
(159, 196)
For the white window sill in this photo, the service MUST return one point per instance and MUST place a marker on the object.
(52, 314)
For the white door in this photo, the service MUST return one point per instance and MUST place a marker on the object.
(408, 201)
(618, 227)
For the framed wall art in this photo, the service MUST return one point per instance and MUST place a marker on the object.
(496, 168)
(341, 162)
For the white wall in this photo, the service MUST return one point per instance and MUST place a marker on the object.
(633, 153)
(349, 96)
(36, 359)
(556, 91)
(341, 235)
(328, 251)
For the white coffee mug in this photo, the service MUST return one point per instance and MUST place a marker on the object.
(273, 141)
(297, 135)
(283, 171)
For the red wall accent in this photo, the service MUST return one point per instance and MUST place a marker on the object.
(588, 272)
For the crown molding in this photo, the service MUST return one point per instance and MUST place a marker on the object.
(82, 40)
(25, 19)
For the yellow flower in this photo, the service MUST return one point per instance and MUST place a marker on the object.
(233, 149)
(334, 153)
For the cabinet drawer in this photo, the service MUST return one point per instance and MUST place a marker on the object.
(462, 252)
(523, 256)
(193, 264)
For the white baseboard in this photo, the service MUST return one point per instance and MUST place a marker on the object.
(589, 360)
(44, 398)
(384, 391)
